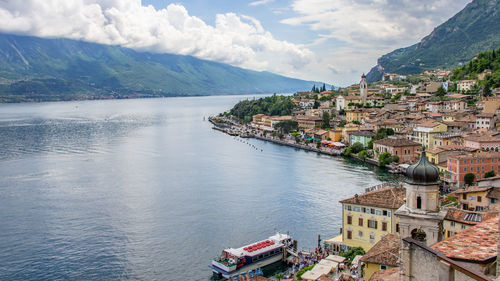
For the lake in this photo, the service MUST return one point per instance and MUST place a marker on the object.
(146, 189)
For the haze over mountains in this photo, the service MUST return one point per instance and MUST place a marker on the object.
(33, 68)
(474, 29)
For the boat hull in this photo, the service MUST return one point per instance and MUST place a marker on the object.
(246, 268)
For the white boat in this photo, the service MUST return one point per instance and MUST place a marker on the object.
(236, 261)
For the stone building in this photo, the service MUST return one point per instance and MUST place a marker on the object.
(363, 89)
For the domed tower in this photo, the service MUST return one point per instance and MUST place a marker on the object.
(420, 217)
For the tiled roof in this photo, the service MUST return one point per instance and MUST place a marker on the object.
(387, 197)
(386, 275)
(494, 193)
(396, 142)
(476, 244)
(473, 189)
(363, 134)
(386, 251)
(467, 217)
(482, 138)
(428, 124)
(451, 147)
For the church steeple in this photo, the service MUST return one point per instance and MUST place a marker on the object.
(363, 89)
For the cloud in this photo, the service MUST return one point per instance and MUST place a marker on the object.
(260, 2)
(237, 40)
(368, 28)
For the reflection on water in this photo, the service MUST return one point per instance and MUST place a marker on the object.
(145, 189)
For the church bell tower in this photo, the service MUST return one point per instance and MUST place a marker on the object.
(420, 217)
(363, 89)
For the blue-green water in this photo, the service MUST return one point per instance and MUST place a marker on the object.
(145, 189)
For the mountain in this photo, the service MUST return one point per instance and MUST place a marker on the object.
(474, 29)
(33, 68)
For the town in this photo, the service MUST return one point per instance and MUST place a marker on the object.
(440, 130)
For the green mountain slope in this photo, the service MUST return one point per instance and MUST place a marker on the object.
(60, 69)
(474, 29)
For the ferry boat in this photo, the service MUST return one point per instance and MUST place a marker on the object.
(250, 257)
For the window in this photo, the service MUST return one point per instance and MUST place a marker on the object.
(384, 226)
(383, 267)
(349, 219)
(356, 209)
(363, 210)
(479, 199)
(360, 221)
(372, 236)
(349, 234)
(465, 169)
(360, 233)
(349, 207)
(378, 212)
(397, 227)
(452, 223)
(419, 202)
(372, 224)
(492, 200)
(464, 196)
(463, 226)
(372, 211)
(384, 213)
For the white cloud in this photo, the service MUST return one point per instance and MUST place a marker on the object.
(237, 40)
(260, 2)
(369, 28)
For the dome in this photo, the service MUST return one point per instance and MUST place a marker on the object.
(423, 172)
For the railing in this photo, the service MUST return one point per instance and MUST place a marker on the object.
(377, 187)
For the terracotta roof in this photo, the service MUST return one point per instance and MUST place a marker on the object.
(494, 193)
(473, 189)
(386, 251)
(482, 138)
(451, 147)
(467, 217)
(396, 142)
(428, 124)
(386, 275)
(476, 244)
(387, 197)
(477, 155)
(486, 115)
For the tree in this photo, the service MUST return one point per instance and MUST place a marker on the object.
(469, 178)
(386, 158)
(326, 120)
(441, 92)
(316, 104)
(363, 154)
(286, 126)
(486, 90)
(356, 147)
(352, 253)
(490, 174)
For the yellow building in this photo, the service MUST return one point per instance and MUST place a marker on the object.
(356, 115)
(382, 256)
(478, 198)
(366, 218)
(335, 134)
(424, 132)
(257, 118)
(346, 131)
(457, 220)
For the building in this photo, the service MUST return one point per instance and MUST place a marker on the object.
(420, 262)
(490, 104)
(309, 122)
(421, 217)
(363, 137)
(424, 132)
(438, 155)
(347, 102)
(447, 138)
(478, 198)
(335, 134)
(475, 248)
(405, 149)
(363, 89)
(382, 256)
(367, 217)
(487, 143)
(466, 85)
(356, 115)
(476, 163)
(485, 121)
(458, 220)
(257, 119)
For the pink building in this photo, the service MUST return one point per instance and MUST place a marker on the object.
(487, 143)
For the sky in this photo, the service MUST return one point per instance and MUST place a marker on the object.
(332, 41)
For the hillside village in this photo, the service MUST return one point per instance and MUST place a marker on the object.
(442, 133)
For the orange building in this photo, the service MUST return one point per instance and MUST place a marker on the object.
(476, 163)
